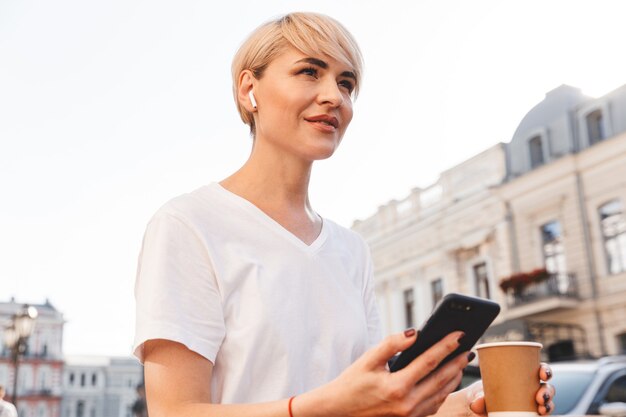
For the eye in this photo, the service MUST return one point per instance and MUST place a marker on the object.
(310, 71)
(347, 84)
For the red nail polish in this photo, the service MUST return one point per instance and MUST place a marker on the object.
(409, 332)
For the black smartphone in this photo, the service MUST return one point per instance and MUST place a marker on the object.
(453, 312)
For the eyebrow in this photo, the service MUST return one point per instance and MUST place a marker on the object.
(324, 65)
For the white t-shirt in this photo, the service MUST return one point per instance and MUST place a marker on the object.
(7, 409)
(276, 317)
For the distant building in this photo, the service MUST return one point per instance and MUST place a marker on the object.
(100, 386)
(544, 213)
(51, 385)
(39, 387)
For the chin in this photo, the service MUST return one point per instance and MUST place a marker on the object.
(322, 153)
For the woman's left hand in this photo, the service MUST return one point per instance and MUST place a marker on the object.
(544, 396)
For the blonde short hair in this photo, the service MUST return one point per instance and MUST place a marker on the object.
(311, 33)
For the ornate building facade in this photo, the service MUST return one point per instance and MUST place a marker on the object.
(50, 384)
(39, 387)
(537, 224)
(100, 386)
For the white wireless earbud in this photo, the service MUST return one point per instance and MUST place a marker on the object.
(252, 99)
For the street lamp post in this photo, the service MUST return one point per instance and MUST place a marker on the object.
(16, 338)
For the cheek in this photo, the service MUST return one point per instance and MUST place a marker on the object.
(347, 115)
(284, 107)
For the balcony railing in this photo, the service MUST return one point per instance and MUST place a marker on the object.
(556, 286)
(39, 392)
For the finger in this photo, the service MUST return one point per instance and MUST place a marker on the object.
(392, 344)
(478, 406)
(545, 394)
(425, 363)
(449, 371)
(546, 409)
(428, 400)
(436, 386)
(545, 372)
(476, 397)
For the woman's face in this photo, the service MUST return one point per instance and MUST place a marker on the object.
(304, 104)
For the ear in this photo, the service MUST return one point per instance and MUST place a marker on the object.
(245, 85)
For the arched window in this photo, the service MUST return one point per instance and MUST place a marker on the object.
(595, 127)
(613, 226)
(535, 147)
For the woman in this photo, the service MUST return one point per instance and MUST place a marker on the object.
(248, 302)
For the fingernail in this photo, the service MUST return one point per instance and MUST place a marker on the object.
(471, 356)
(546, 398)
(461, 337)
(548, 408)
(409, 332)
(549, 373)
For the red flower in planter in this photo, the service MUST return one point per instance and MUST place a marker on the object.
(518, 281)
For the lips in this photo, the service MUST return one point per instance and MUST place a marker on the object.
(324, 119)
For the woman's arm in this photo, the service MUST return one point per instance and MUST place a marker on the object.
(178, 384)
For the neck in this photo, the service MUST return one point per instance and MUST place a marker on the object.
(277, 182)
(271, 179)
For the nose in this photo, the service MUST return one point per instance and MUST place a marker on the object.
(330, 93)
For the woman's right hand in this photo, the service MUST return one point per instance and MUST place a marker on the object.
(367, 388)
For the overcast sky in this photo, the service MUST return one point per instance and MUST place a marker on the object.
(110, 108)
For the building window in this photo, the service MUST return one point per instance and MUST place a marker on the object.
(481, 280)
(613, 227)
(43, 377)
(436, 290)
(80, 409)
(595, 127)
(621, 341)
(71, 378)
(535, 146)
(553, 251)
(94, 380)
(408, 307)
(82, 380)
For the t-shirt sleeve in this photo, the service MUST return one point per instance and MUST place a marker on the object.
(176, 291)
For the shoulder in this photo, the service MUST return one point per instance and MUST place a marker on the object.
(187, 203)
(7, 406)
(191, 207)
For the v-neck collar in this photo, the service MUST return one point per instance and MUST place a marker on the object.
(273, 224)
